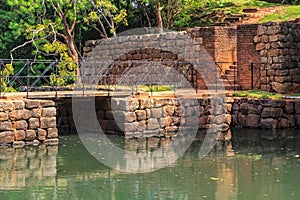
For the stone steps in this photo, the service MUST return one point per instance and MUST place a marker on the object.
(230, 78)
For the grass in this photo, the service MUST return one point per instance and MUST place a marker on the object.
(289, 13)
(258, 94)
(159, 88)
(236, 6)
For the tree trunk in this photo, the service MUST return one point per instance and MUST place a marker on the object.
(159, 23)
(74, 55)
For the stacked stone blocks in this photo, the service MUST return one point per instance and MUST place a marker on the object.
(27, 122)
(279, 47)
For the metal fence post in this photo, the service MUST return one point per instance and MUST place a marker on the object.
(56, 77)
(28, 78)
(252, 74)
(234, 75)
(108, 80)
(1, 78)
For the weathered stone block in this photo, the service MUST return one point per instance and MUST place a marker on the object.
(272, 112)
(19, 135)
(49, 112)
(48, 122)
(47, 103)
(156, 112)
(282, 87)
(165, 121)
(41, 134)
(36, 112)
(252, 120)
(235, 107)
(18, 104)
(130, 117)
(283, 123)
(260, 46)
(141, 115)
(20, 125)
(129, 127)
(52, 133)
(34, 123)
(5, 126)
(3, 116)
(32, 103)
(142, 126)
(269, 123)
(30, 134)
(6, 137)
(152, 124)
(129, 104)
(242, 121)
(6, 105)
(144, 103)
(289, 107)
(273, 38)
(244, 108)
(218, 119)
(20, 114)
(261, 30)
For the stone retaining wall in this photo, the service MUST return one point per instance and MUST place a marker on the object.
(151, 117)
(27, 122)
(279, 47)
(265, 113)
(35, 121)
(162, 117)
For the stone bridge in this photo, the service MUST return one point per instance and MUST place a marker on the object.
(172, 50)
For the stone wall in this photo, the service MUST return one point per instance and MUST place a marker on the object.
(162, 117)
(27, 122)
(151, 117)
(172, 49)
(265, 113)
(279, 47)
(219, 41)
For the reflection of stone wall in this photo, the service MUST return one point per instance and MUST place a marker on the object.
(22, 167)
(27, 122)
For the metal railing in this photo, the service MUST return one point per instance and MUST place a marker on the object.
(229, 79)
(36, 76)
(258, 79)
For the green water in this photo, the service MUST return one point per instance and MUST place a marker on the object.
(246, 168)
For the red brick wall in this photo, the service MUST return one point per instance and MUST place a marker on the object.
(225, 46)
(246, 53)
(207, 37)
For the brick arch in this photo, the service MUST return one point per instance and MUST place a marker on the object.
(140, 57)
(172, 46)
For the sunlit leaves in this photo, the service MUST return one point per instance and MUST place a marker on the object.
(121, 18)
(55, 47)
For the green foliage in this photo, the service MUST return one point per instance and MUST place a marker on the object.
(289, 13)
(258, 94)
(7, 70)
(66, 67)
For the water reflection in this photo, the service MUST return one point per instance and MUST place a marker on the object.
(246, 168)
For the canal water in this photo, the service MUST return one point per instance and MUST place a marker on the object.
(254, 165)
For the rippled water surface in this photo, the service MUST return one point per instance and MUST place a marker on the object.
(246, 168)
